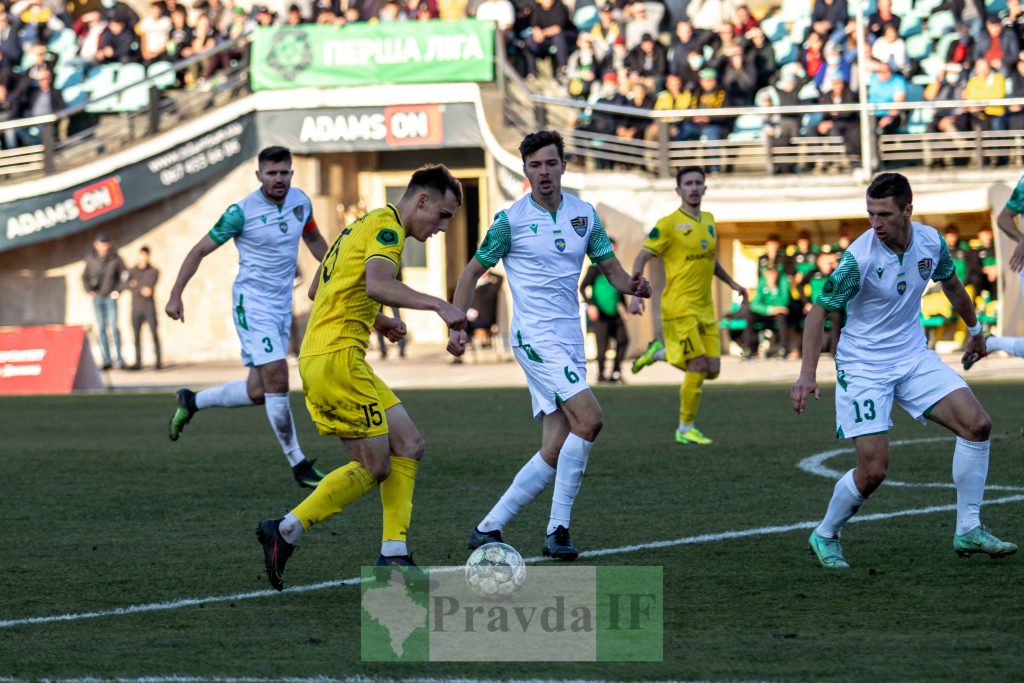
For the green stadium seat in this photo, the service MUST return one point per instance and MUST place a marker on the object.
(941, 23)
(773, 28)
(924, 8)
(919, 46)
(163, 74)
(995, 6)
(793, 10)
(585, 17)
(910, 25)
(785, 51)
(101, 81)
(132, 99)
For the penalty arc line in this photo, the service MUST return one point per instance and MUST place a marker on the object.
(654, 545)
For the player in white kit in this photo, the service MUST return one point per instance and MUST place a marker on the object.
(883, 358)
(542, 239)
(1007, 223)
(266, 226)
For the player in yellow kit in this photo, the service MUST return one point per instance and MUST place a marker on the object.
(685, 240)
(344, 396)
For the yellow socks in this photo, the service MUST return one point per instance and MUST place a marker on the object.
(396, 498)
(689, 396)
(337, 490)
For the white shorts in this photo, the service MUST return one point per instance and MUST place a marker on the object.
(263, 335)
(554, 373)
(865, 393)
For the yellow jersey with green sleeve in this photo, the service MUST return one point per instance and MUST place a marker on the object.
(543, 252)
(687, 246)
(881, 292)
(343, 315)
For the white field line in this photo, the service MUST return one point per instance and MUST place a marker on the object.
(653, 545)
(313, 679)
(815, 464)
(812, 464)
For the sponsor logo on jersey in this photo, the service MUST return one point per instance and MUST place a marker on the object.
(684, 226)
(387, 237)
(560, 244)
(533, 227)
(579, 224)
(879, 270)
(924, 268)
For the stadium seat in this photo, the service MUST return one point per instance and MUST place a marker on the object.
(799, 29)
(793, 10)
(941, 23)
(585, 17)
(785, 51)
(809, 92)
(773, 28)
(915, 93)
(932, 65)
(919, 46)
(100, 82)
(995, 6)
(910, 26)
(901, 8)
(924, 8)
(132, 99)
(69, 80)
(943, 43)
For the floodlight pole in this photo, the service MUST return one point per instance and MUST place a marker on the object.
(867, 141)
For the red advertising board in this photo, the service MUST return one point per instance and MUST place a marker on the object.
(49, 359)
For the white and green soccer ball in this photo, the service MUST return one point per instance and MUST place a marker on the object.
(495, 571)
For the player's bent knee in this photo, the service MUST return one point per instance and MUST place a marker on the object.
(380, 469)
(978, 427)
(257, 396)
(411, 447)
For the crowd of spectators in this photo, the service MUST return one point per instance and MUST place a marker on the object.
(790, 278)
(710, 54)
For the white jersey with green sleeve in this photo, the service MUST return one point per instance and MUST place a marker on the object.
(267, 237)
(882, 291)
(543, 256)
(1016, 202)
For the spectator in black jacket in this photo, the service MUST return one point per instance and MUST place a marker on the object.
(40, 99)
(739, 78)
(845, 124)
(829, 18)
(10, 45)
(684, 41)
(118, 44)
(882, 17)
(649, 60)
(114, 10)
(758, 51)
(550, 27)
(103, 279)
(141, 283)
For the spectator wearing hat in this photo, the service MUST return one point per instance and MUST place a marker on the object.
(886, 87)
(649, 59)
(117, 44)
(551, 29)
(293, 17)
(882, 17)
(103, 279)
(780, 129)
(998, 45)
(596, 121)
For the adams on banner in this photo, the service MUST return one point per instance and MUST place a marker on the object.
(316, 56)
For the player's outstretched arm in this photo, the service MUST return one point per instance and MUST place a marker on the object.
(462, 299)
(175, 309)
(636, 304)
(382, 287)
(1008, 225)
(635, 285)
(723, 275)
(807, 383)
(954, 290)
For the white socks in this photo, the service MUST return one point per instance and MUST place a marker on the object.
(393, 548)
(290, 528)
(659, 354)
(970, 469)
(684, 427)
(1011, 345)
(230, 395)
(572, 461)
(846, 500)
(527, 485)
(279, 412)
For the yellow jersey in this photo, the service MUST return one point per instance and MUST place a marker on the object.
(343, 315)
(686, 245)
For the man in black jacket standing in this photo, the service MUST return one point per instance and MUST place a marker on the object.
(102, 278)
(141, 283)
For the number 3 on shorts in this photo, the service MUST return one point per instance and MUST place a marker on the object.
(869, 411)
(571, 376)
(267, 345)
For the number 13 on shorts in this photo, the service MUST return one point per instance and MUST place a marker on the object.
(862, 407)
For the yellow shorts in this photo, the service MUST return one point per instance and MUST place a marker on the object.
(343, 395)
(689, 337)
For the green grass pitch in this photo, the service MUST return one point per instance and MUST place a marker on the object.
(100, 511)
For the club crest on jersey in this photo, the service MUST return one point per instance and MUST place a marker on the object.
(901, 287)
(924, 267)
(298, 211)
(283, 227)
(711, 229)
(560, 244)
(579, 224)
(704, 245)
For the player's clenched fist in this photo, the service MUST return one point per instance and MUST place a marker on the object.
(457, 342)
(640, 286)
(453, 316)
(174, 309)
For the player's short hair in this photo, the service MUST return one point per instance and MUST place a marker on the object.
(892, 185)
(539, 140)
(689, 169)
(773, 238)
(144, 249)
(435, 179)
(274, 155)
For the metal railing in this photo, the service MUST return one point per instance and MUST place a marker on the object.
(752, 150)
(167, 106)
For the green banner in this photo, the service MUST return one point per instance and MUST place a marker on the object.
(316, 56)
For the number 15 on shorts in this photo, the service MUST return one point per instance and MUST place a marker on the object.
(373, 416)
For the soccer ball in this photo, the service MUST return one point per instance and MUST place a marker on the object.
(495, 571)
